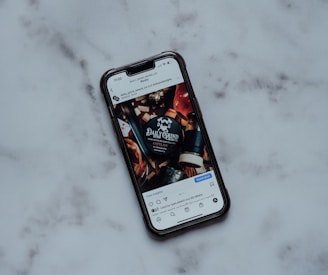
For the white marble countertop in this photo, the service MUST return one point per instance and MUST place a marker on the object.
(259, 70)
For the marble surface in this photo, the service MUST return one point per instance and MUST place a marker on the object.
(259, 70)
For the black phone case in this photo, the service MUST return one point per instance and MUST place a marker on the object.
(103, 85)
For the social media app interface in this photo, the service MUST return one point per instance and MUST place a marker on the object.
(165, 145)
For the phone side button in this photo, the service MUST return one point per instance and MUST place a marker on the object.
(111, 112)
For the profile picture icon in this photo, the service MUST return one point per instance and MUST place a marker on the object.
(116, 98)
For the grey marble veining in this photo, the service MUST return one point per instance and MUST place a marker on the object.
(259, 70)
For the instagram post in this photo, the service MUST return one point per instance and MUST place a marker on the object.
(163, 138)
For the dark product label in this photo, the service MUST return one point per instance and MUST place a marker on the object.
(162, 135)
(194, 142)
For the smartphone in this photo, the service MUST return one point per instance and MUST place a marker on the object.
(161, 132)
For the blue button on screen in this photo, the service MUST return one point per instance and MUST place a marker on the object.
(203, 177)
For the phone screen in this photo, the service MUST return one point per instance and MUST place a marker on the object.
(161, 131)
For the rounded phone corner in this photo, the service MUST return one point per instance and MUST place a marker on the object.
(153, 232)
(174, 54)
(104, 79)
